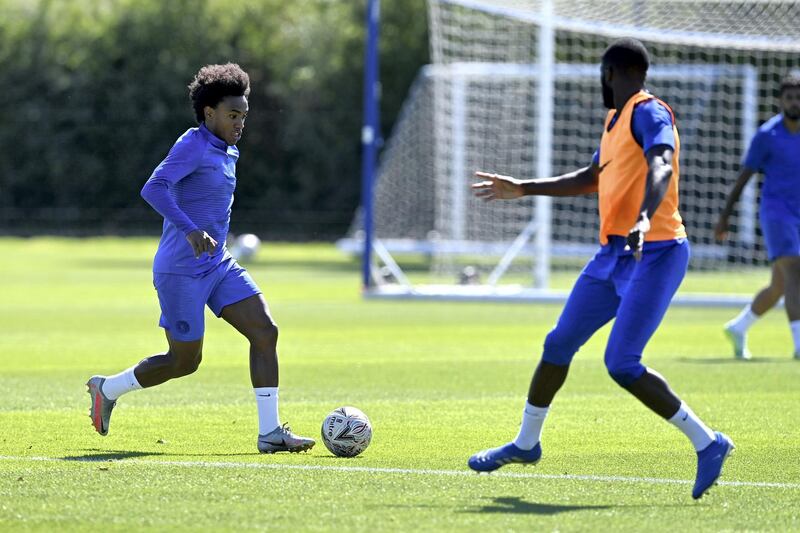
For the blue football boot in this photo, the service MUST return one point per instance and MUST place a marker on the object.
(709, 463)
(493, 458)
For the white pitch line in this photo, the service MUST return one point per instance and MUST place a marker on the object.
(413, 471)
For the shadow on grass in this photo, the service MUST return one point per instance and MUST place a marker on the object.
(514, 505)
(337, 458)
(209, 455)
(732, 360)
(121, 455)
(108, 455)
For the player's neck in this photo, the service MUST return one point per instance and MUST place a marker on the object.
(625, 93)
(792, 125)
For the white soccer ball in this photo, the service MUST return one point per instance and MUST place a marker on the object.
(346, 432)
(245, 246)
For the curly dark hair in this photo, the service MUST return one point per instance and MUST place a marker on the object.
(792, 81)
(627, 53)
(213, 83)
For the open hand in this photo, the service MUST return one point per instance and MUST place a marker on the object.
(201, 242)
(497, 187)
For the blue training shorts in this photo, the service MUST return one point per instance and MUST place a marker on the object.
(636, 293)
(183, 298)
(782, 236)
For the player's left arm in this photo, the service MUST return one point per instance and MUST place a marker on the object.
(653, 128)
(659, 174)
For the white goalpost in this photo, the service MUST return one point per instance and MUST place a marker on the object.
(514, 89)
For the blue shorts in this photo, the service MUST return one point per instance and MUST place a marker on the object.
(782, 236)
(616, 285)
(183, 298)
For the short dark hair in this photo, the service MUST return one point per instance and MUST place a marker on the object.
(628, 54)
(792, 81)
(213, 83)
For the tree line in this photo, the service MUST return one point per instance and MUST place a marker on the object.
(95, 93)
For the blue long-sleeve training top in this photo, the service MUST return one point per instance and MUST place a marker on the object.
(192, 189)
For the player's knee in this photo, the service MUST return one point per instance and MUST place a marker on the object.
(559, 348)
(624, 370)
(189, 366)
(790, 268)
(264, 336)
(186, 363)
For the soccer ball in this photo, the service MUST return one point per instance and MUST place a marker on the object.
(245, 247)
(346, 432)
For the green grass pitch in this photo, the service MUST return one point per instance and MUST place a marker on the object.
(438, 380)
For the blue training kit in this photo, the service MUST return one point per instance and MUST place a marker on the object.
(614, 284)
(183, 298)
(775, 151)
(193, 189)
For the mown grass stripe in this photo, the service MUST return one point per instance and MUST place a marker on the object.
(413, 471)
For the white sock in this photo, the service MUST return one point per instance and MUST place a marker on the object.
(118, 384)
(688, 422)
(267, 402)
(795, 325)
(743, 320)
(530, 431)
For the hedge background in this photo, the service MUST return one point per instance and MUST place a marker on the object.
(95, 95)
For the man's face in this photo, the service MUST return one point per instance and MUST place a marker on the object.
(790, 104)
(226, 121)
(605, 83)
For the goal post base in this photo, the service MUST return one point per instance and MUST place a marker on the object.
(520, 294)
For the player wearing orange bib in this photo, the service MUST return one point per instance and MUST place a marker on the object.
(641, 262)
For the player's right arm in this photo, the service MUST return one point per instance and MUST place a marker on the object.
(721, 230)
(498, 187)
(182, 160)
(755, 158)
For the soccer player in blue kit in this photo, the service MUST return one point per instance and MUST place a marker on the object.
(632, 278)
(775, 151)
(193, 190)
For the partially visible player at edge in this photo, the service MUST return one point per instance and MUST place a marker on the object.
(775, 151)
(193, 190)
(641, 262)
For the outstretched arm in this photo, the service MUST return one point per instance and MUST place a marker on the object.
(659, 173)
(498, 187)
(721, 230)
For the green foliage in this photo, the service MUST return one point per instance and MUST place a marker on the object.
(96, 94)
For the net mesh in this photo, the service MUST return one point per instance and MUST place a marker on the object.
(718, 64)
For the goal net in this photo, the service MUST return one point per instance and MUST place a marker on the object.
(514, 89)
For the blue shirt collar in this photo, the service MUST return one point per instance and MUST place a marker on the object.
(213, 139)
